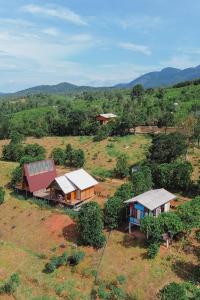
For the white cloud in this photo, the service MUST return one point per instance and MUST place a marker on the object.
(56, 12)
(181, 61)
(136, 48)
(51, 31)
(141, 22)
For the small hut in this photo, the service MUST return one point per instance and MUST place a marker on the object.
(105, 118)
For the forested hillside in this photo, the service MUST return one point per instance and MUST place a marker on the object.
(43, 115)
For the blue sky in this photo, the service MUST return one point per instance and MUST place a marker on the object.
(94, 42)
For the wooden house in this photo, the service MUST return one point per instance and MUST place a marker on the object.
(153, 202)
(73, 187)
(37, 176)
(105, 118)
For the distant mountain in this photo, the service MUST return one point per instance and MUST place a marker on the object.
(165, 77)
(60, 88)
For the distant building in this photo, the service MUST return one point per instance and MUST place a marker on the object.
(153, 202)
(73, 187)
(105, 118)
(37, 176)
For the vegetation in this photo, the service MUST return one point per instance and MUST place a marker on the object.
(56, 262)
(90, 225)
(122, 168)
(9, 287)
(167, 148)
(141, 180)
(179, 291)
(2, 195)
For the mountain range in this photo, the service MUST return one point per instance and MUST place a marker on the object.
(166, 77)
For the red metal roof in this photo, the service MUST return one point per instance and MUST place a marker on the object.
(39, 174)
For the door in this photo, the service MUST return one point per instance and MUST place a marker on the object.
(78, 195)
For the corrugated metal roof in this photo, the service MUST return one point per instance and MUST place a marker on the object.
(65, 185)
(39, 174)
(81, 179)
(108, 115)
(153, 198)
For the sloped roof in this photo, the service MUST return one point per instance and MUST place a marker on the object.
(108, 115)
(39, 174)
(81, 179)
(65, 185)
(153, 198)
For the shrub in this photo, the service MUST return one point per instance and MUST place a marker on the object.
(173, 291)
(76, 257)
(34, 150)
(56, 262)
(90, 225)
(153, 250)
(2, 195)
(16, 175)
(11, 285)
(12, 152)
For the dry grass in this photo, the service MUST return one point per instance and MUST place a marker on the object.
(30, 236)
(98, 154)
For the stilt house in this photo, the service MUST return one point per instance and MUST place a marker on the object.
(153, 202)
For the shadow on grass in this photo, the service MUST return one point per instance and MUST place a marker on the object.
(70, 233)
(131, 240)
(187, 271)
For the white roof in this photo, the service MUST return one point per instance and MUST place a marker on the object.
(153, 198)
(81, 179)
(65, 185)
(108, 115)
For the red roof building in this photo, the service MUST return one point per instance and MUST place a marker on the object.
(38, 175)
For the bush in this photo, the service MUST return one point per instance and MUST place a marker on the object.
(173, 291)
(56, 262)
(16, 176)
(90, 225)
(74, 158)
(12, 152)
(58, 156)
(35, 150)
(153, 250)
(76, 257)
(2, 195)
(11, 285)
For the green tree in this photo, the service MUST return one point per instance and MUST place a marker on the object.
(173, 291)
(125, 191)
(137, 92)
(12, 152)
(58, 156)
(77, 158)
(11, 285)
(167, 148)
(35, 150)
(2, 195)
(141, 180)
(90, 225)
(16, 176)
(189, 213)
(113, 212)
(122, 167)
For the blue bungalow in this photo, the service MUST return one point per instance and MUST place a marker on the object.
(153, 202)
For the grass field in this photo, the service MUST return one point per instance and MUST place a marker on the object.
(30, 236)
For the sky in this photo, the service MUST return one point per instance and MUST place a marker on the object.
(94, 42)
